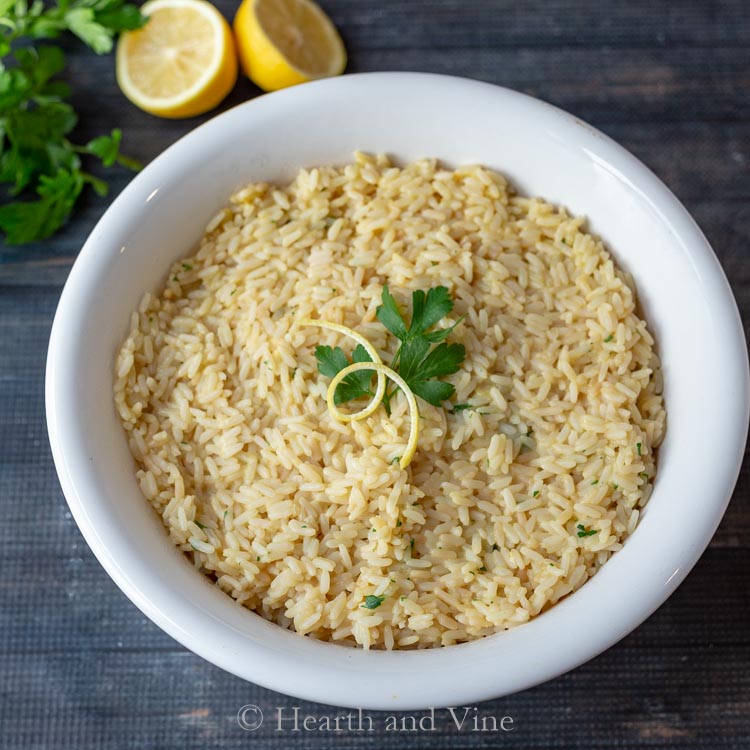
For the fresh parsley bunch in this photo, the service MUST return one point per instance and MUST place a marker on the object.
(36, 156)
(421, 360)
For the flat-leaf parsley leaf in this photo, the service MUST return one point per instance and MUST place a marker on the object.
(332, 360)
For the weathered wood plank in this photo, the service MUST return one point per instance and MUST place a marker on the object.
(601, 84)
(446, 24)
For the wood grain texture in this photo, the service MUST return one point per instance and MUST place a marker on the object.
(81, 668)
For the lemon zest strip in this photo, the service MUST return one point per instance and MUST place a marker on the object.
(336, 413)
(383, 370)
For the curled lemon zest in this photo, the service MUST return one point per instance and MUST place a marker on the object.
(336, 413)
(383, 370)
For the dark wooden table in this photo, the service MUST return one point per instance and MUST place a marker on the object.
(81, 668)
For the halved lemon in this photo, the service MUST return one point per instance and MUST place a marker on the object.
(285, 42)
(181, 63)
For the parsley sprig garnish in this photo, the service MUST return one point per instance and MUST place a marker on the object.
(36, 155)
(422, 358)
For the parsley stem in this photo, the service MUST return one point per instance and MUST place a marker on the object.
(387, 400)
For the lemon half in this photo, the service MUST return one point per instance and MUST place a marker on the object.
(285, 42)
(181, 63)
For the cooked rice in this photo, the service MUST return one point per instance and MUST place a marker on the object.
(299, 517)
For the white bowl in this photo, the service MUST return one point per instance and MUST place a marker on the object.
(162, 213)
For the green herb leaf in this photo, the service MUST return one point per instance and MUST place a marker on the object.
(444, 359)
(609, 338)
(26, 221)
(118, 16)
(388, 314)
(332, 360)
(432, 391)
(372, 601)
(419, 365)
(412, 354)
(357, 382)
(583, 531)
(428, 309)
(638, 448)
(82, 22)
(106, 147)
(95, 22)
